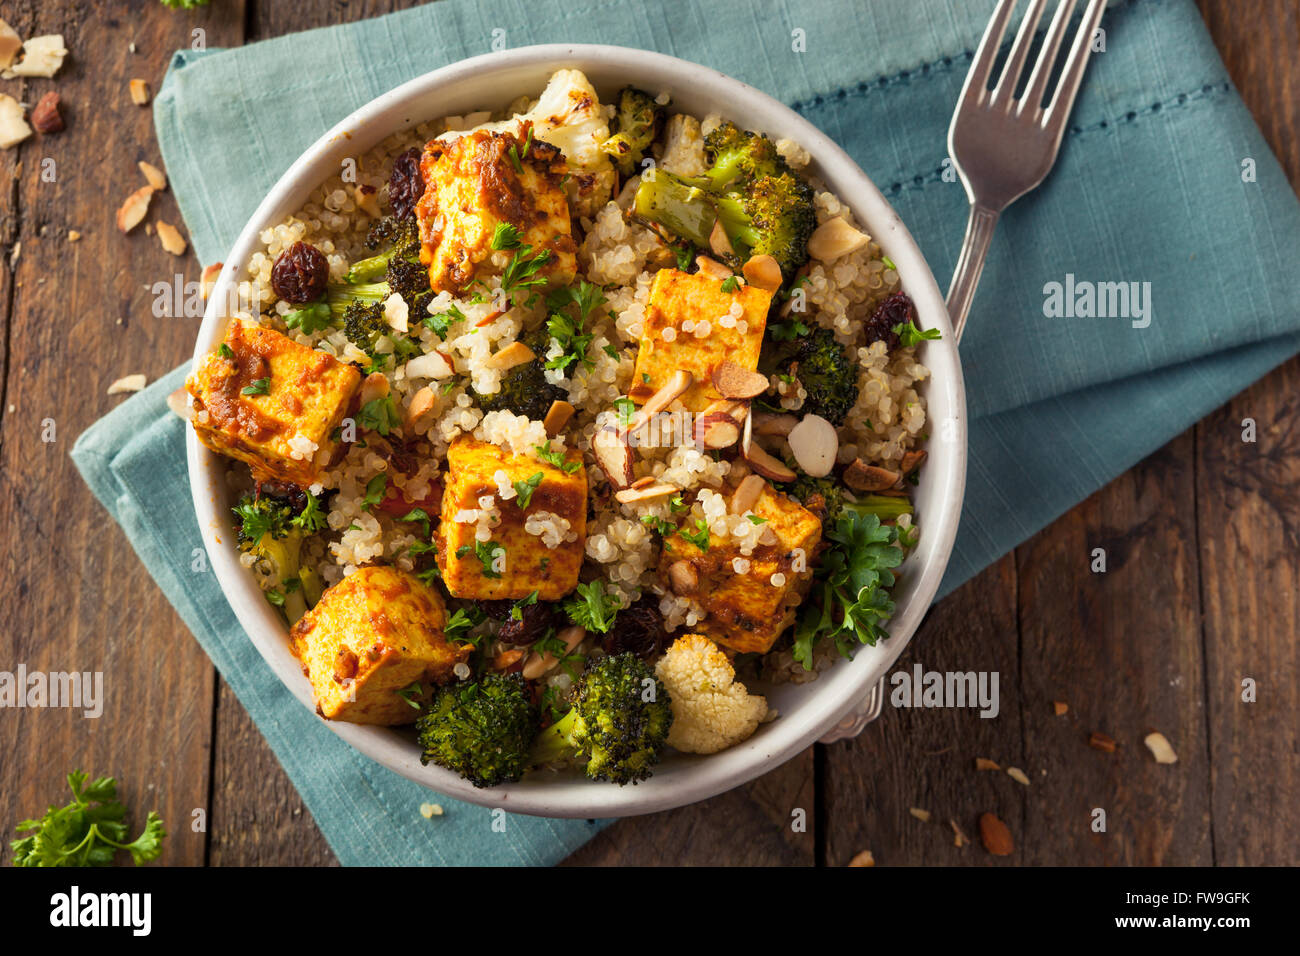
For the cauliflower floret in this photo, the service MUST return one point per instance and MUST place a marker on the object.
(711, 709)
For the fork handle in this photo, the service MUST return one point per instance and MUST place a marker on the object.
(966, 277)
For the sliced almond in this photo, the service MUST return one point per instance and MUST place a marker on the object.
(612, 453)
(133, 211)
(13, 125)
(912, 460)
(767, 465)
(660, 489)
(171, 238)
(814, 444)
(179, 403)
(127, 383)
(516, 353)
(422, 403)
(958, 837)
(763, 272)
(671, 390)
(557, 416)
(863, 859)
(508, 659)
(995, 836)
(714, 268)
(834, 238)
(747, 494)
(733, 380)
(1018, 775)
(42, 56)
(683, 577)
(1060, 708)
(209, 277)
(644, 482)
(539, 664)
(984, 763)
(139, 92)
(154, 176)
(1103, 742)
(922, 815)
(719, 241)
(10, 44)
(868, 478)
(769, 423)
(1160, 747)
(717, 430)
(374, 387)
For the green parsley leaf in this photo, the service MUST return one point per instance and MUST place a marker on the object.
(275, 597)
(730, 284)
(626, 409)
(461, 623)
(557, 459)
(89, 831)
(524, 489)
(225, 351)
(592, 607)
(757, 519)
(517, 611)
(379, 415)
(420, 515)
(260, 386)
(505, 236)
(699, 537)
(909, 335)
(309, 319)
(412, 693)
(376, 488)
(312, 518)
(487, 552)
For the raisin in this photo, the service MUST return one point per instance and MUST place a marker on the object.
(406, 184)
(300, 273)
(894, 311)
(534, 621)
(638, 629)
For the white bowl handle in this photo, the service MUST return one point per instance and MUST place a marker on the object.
(857, 719)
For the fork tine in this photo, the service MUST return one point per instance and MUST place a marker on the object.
(1006, 87)
(1031, 102)
(978, 77)
(1072, 75)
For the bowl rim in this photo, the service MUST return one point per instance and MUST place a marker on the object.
(682, 779)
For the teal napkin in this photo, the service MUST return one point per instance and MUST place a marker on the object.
(1149, 188)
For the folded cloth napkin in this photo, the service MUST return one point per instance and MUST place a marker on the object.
(1163, 181)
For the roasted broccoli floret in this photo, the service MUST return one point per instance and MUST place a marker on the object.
(396, 269)
(832, 499)
(823, 366)
(270, 528)
(524, 389)
(635, 126)
(619, 721)
(482, 730)
(364, 323)
(763, 205)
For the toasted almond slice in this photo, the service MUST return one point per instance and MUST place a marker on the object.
(958, 837)
(712, 267)
(1060, 708)
(984, 763)
(912, 460)
(171, 238)
(127, 383)
(719, 242)
(611, 452)
(922, 815)
(716, 430)
(814, 444)
(539, 664)
(763, 272)
(863, 859)
(10, 44)
(868, 478)
(516, 353)
(747, 494)
(659, 489)
(834, 238)
(644, 481)
(375, 386)
(367, 200)
(1103, 742)
(154, 176)
(1160, 747)
(767, 465)
(179, 403)
(209, 277)
(683, 577)
(74, 236)
(42, 56)
(671, 390)
(733, 380)
(508, 659)
(557, 416)
(769, 423)
(422, 403)
(995, 835)
(139, 92)
(1018, 775)
(133, 211)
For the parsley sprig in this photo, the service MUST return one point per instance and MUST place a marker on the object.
(592, 608)
(568, 329)
(89, 831)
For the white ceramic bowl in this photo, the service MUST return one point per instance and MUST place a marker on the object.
(807, 711)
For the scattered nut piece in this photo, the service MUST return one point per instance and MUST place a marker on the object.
(505, 660)
(922, 815)
(834, 238)
(814, 444)
(557, 416)
(139, 92)
(127, 383)
(1160, 747)
(367, 200)
(763, 272)
(770, 423)
(133, 211)
(422, 403)
(712, 267)
(153, 175)
(10, 44)
(719, 241)
(179, 403)
(767, 465)
(868, 478)
(1059, 707)
(46, 118)
(659, 489)
(683, 577)
(733, 380)
(373, 387)
(1018, 775)
(1099, 741)
(516, 353)
(539, 664)
(995, 836)
(42, 56)
(671, 390)
(747, 494)
(171, 239)
(209, 277)
(13, 127)
(984, 763)
(430, 810)
(611, 452)
(73, 235)
(863, 859)
(958, 837)
(912, 460)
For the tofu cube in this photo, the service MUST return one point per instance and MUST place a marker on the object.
(679, 297)
(473, 183)
(530, 549)
(268, 401)
(747, 608)
(375, 633)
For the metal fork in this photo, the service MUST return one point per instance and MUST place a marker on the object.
(1002, 146)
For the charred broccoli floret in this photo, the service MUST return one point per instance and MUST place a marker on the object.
(619, 721)
(270, 528)
(833, 499)
(482, 730)
(364, 323)
(635, 126)
(824, 368)
(396, 269)
(763, 205)
(524, 389)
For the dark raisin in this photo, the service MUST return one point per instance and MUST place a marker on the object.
(534, 621)
(300, 273)
(284, 492)
(894, 311)
(406, 184)
(638, 629)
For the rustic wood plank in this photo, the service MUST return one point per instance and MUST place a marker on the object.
(71, 595)
(925, 758)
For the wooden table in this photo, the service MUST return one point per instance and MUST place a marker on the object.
(1203, 540)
